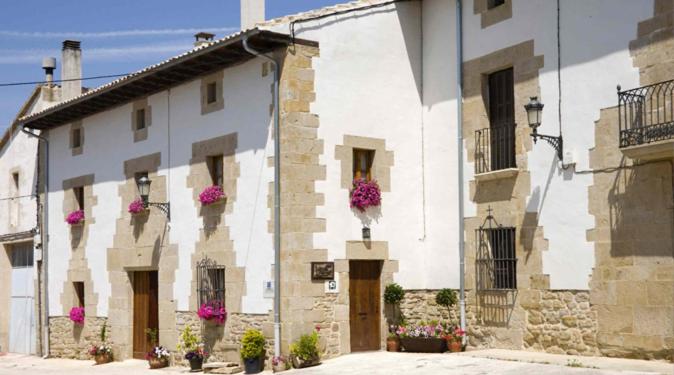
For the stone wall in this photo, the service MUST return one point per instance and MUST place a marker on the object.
(69, 340)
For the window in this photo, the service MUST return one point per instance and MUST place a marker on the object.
(15, 181)
(22, 255)
(498, 142)
(494, 3)
(79, 197)
(77, 138)
(215, 168)
(210, 282)
(211, 93)
(496, 259)
(140, 119)
(362, 164)
(78, 288)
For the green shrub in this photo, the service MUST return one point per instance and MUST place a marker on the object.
(188, 340)
(306, 348)
(252, 344)
(393, 294)
(446, 298)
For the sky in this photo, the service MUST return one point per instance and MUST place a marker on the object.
(118, 37)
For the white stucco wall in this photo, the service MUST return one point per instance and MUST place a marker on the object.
(18, 155)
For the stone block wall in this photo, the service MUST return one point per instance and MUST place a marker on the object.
(68, 340)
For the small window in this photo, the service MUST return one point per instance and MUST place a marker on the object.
(210, 282)
(211, 93)
(78, 288)
(22, 255)
(494, 3)
(77, 138)
(362, 164)
(140, 119)
(15, 182)
(215, 168)
(496, 259)
(79, 197)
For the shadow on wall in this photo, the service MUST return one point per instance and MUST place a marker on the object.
(495, 307)
(641, 205)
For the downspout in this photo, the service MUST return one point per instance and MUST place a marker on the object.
(44, 232)
(277, 198)
(459, 144)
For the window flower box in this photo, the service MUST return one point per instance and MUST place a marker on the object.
(211, 195)
(213, 311)
(75, 218)
(423, 344)
(77, 315)
(137, 207)
(365, 194)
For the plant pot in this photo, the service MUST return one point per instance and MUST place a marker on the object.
(454, 346)
(393, 344)
(301, 363)
(103, 358)
(156, 363)
(423, 345)
(280, 367)
(196, 364)
(253, 365)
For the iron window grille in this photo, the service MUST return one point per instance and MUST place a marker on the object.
(495, 148)
(646, 114)
(496, 262)
(210, 282)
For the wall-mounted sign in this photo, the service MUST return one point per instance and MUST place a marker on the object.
(332, 286)
(322, 270)
(267, 289)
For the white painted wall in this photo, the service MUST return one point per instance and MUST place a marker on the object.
(18, 155)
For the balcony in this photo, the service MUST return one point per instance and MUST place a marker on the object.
(495, 153)
(646, 120)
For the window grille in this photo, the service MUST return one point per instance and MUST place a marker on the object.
(210, 282)
(496, 262)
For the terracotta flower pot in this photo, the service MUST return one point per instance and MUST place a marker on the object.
(454, 346)
(103, 358)
(156, 363)
(392, 344)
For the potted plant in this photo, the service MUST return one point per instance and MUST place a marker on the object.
(423, 338)
(101, 353)
(194, 350)
(211, 195)
(280, 363)
(137, 207)
(252, 351)
(446, 298)
(365, 194)
(77, 315)
(159, 356)
(304, 352)
(393, 294)
(75, 217)
(213, 311)
(455, 340)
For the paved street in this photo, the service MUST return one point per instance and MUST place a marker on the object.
(363, 364)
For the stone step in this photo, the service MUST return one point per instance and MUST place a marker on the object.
(222, 368)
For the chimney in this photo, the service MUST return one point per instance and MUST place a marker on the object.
(71, 69)
(49, 64)
(252, 12)
(203, 38)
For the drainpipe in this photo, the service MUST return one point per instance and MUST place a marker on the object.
(459, 144)
(44, 232)
(277, 199)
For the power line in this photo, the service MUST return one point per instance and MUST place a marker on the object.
(61, 80)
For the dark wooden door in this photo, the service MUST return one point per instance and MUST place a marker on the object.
(145, 311)
(502, 119)
(365, 305)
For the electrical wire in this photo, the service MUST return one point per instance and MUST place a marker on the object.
(61, 80)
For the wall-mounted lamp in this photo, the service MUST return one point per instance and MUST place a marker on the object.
(144, 190)
(534, 112)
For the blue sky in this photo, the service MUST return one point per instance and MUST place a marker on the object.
(119, 36)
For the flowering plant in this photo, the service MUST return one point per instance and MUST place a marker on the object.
(75, 217)
(456, 335)
(211, 195)
(198, 353)
(278, 360)
(77, 315)
(422, 330)
(136, 206)
(158, 352)
(99, 350)
(213, 310)
(365, 194)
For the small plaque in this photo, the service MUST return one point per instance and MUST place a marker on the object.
(268, 289)
(331, 286)
(322, 270)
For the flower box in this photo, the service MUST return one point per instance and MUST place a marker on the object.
(76, 315)
(364, 194)
(137, 208)
(423, 345)
(75, 218)
(211, 195)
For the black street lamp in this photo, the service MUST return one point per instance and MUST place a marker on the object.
(144, 190)
(534, 114)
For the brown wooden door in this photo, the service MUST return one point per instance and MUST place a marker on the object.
(145, 311)
(365, 305)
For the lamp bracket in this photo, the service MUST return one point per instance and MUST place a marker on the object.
(556, 142)
(163, 207)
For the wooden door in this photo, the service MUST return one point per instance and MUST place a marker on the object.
(145, 311)
(365, 305)
(502, 119)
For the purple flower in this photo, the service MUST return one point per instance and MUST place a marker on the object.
(136, 206)
(365, 194)
(211, 195)
(75, 217)
(77, 315)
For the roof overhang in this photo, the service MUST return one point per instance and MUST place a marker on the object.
(197, 62)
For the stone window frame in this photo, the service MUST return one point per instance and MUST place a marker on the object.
(140, 134)
(76, 127)
(219, 102)
(381, 165)
(492, 15)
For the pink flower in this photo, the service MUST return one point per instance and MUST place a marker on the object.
(75, 217)
(365, 194)
(211, 195)
(318, 328)
(136, 206)
(213, 310)
(77, 315)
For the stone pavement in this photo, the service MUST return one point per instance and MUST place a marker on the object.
(373, 363)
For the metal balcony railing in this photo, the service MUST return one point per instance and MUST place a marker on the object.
(495, 148)
(646, 114)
